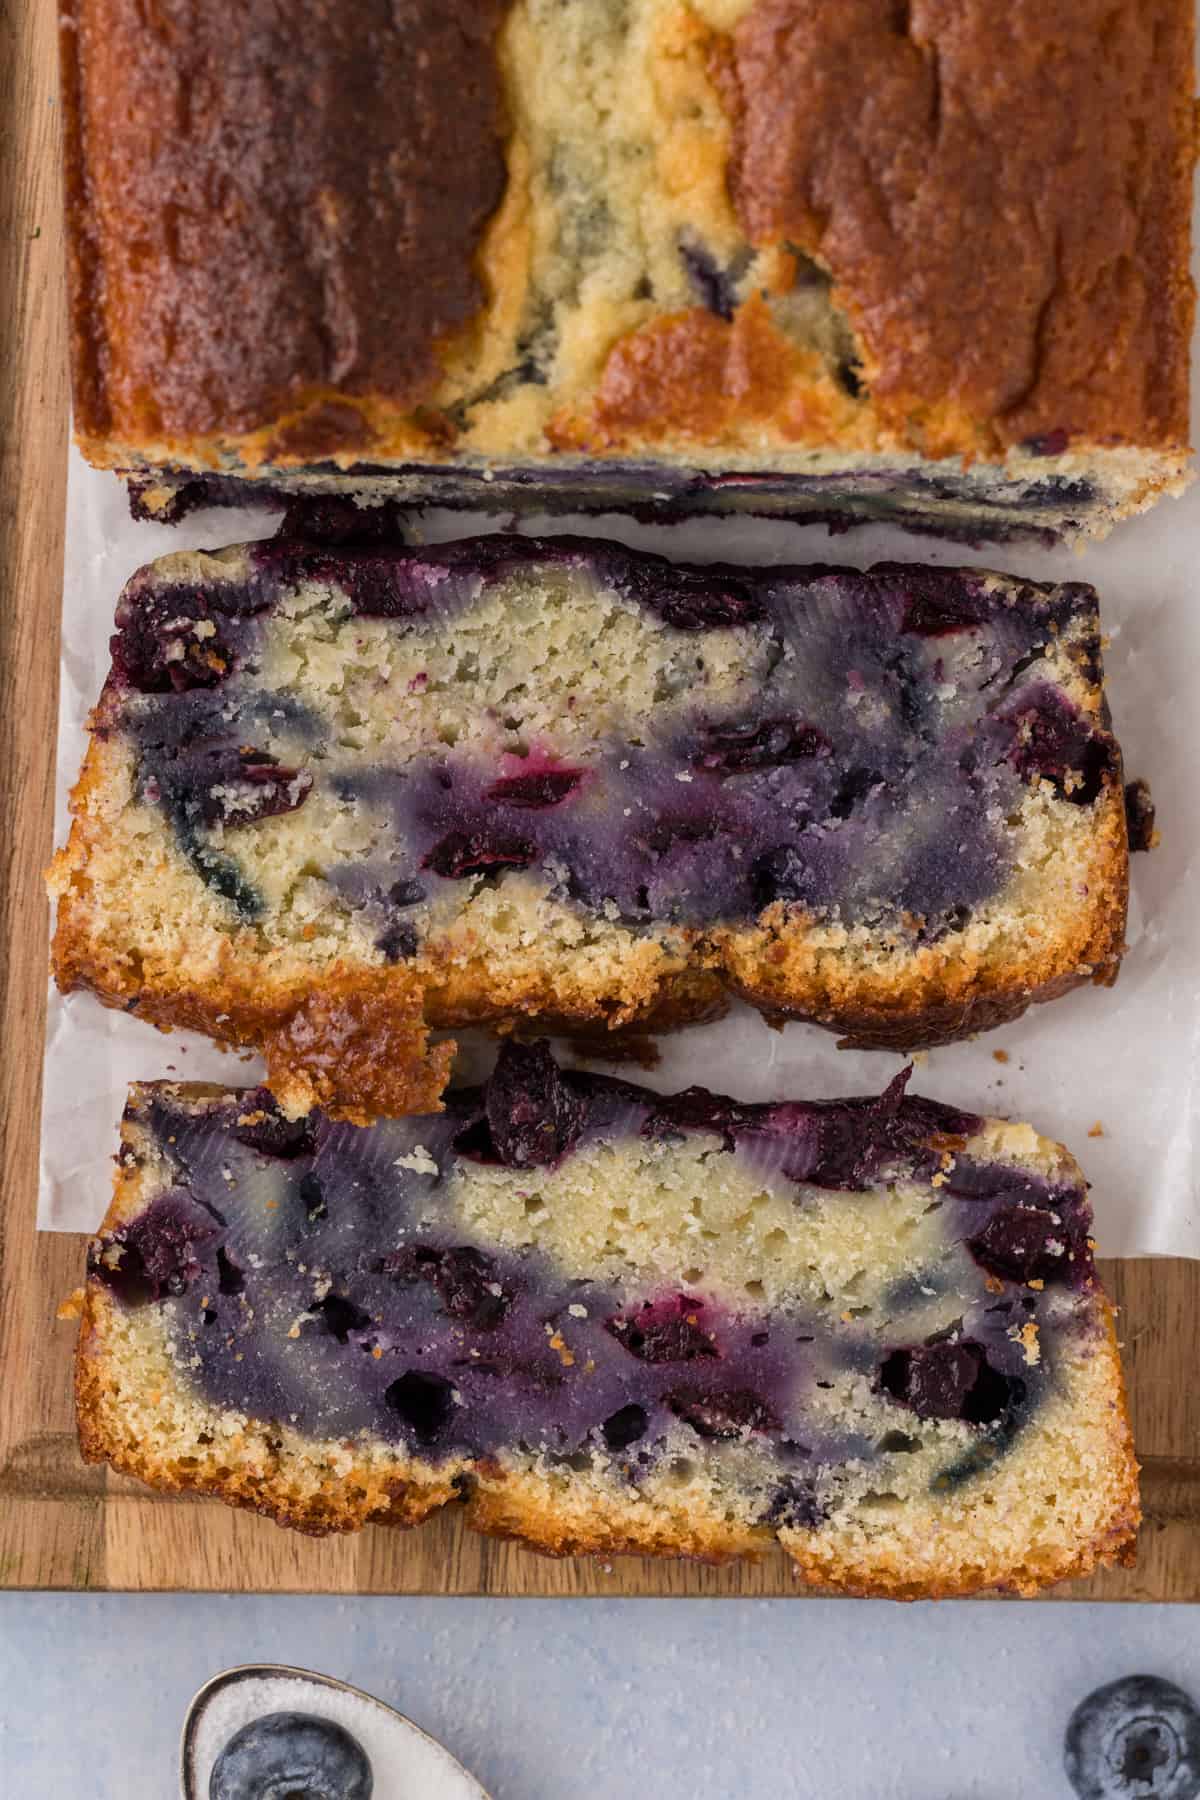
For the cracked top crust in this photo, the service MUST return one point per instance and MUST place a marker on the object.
(730, 233)
(275, 206)
(1002, 194)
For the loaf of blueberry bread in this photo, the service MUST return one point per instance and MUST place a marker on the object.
(609, 1320)
(335, 792)
(842, 258)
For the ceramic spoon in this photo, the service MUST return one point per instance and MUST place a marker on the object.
(356, 1747)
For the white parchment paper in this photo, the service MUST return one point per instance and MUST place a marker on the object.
(1113, 1073)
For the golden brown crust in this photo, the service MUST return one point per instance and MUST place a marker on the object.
(320, 1488)
(274, 209)
(1002, 196)
(350, 1038)
(1058, 143)
(693, 376)
(939, 996)
(323, 1030)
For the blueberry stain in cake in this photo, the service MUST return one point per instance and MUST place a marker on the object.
(867, 774)
(327, 1274)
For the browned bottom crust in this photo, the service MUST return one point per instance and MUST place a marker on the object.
(1001, 1530)
(355, 1040)
(524, 1507)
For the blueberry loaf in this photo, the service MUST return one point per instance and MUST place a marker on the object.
(836, 257)
(610, 1320)
(505, 779)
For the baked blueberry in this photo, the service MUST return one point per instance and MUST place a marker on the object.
(1024, 1242)
(542, 787)
(593, 804)
(466, 1281)
(665, 1331)
(728, 1414)
(292, 1756)
(534, 1116)
(948, 1380)
(678, 1300)
(1134, 1739)
(463, 853)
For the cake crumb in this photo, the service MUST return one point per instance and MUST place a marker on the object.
(418, 1160)
(1097, 1129)
(1000, 1056)
(72, 1306)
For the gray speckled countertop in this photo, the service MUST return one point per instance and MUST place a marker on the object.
(548, 1700)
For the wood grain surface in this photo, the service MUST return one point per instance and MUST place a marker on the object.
(63, 1525)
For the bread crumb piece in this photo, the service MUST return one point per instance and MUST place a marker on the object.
(419, 1161)
(1097, 1129)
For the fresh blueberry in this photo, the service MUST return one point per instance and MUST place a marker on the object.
(291, 1756)
(1134, 1739)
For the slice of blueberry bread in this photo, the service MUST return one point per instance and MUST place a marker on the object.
(832, 259)
(339, 790)
(610, 1320)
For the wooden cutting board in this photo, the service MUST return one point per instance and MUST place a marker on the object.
(63, 1525)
